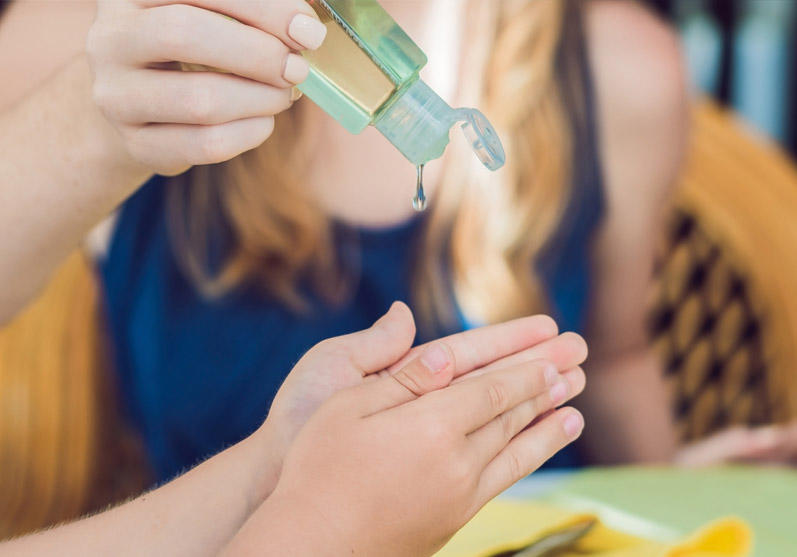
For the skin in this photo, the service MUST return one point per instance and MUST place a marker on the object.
(641, 116)
(372, 421)
(642, 122)
(402, 425)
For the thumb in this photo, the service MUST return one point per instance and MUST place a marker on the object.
(387, 340)
(433, 369)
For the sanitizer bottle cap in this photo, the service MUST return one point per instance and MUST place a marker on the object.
(418, 124)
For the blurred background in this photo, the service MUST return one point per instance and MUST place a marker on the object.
(723, 317)
(743, 53)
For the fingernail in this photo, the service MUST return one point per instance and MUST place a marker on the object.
(296, 69)
(573, 425)
(296, 94)
(435, 358)
(551, 374)
(307, 31)
(558, 393)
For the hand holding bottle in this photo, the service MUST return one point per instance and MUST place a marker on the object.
(172, 119)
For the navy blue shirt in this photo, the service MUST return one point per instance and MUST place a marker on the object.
(198, 375)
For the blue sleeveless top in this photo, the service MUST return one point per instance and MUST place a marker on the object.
(197, 375)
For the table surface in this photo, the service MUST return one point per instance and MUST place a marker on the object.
(666, 502)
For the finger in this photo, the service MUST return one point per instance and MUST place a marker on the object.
(767, 445)
(529, 450)
(194, 36)
(387, 340)
(471, 404)
(475, 348)
(566, 351)
(431, 370)
(206, 98)
(490, 439)
(293, 22)
(419, 379)
(192, 145)
(726, 446)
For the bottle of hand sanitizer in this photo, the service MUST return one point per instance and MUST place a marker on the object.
(366, 73)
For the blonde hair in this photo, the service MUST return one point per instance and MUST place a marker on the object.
(482, 236)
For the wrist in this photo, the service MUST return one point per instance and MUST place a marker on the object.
(288, 523)
(264, 452)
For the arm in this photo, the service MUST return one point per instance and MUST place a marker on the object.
(402, 474)
(200, 512)
(67, 161)
(195, 514)
(642, 109)
(62, 169)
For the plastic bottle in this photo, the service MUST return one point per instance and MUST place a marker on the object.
(366, 73)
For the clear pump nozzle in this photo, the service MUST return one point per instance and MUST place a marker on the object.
(418, 121)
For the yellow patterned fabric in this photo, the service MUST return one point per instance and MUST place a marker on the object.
(529, 529)
(724, 317)
(708, 329)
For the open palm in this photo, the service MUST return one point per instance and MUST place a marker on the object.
(347, 361)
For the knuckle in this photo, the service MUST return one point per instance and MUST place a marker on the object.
(410, 381)
(333, 351)
(171, 31)
(95, 41)
(515, 468)
(333, 347)
(102, 94)
(211, 147)
(496, 396)
(437, 433)
(460, 473)
(200, 104)
(102, 37)
(140, 146)
(136, 143)
(506, 423)
(274, 54)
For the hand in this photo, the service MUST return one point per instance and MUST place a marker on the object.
(774, 445)
(171, 119)
(379, 471)
(351, 360)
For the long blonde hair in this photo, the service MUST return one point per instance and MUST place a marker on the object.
(482, 236)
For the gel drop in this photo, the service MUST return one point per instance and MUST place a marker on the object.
(366, 73)
(419, 201)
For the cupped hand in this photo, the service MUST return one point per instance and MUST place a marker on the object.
(171, 119)
(378, 470)
(385, 349)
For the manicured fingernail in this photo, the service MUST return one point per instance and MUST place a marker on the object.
(307, 31)
(573, 425)
(558, 393)
(296, 69)
(551, 374)
(435, 358)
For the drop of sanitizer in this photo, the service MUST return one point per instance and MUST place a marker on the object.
(419, 201)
